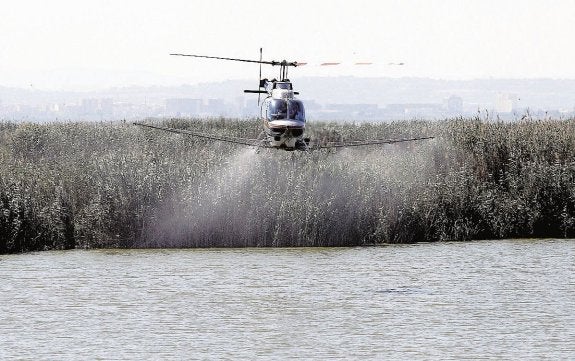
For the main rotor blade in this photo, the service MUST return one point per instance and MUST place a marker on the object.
(359, 143)
(273, 62)
(333, 63)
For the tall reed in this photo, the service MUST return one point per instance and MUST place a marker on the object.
(66, 185)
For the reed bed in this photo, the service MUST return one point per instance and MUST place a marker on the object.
(110, 185)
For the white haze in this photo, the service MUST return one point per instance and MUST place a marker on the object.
(65, 44)
(285, 199)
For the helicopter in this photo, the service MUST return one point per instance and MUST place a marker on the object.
(283, 115)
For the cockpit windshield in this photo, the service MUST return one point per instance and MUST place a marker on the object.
(286, 109)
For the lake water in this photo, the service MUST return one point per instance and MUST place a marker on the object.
(478, 300)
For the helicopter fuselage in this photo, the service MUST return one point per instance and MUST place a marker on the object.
(283, 117)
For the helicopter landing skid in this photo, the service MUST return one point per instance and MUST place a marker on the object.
(303, 145)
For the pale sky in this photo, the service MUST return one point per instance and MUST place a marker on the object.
(71, 44)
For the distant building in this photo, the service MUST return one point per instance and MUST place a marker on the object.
(251, 108)
(215, 107)
(97, 107)
(107, 106)
(183, 106)
(455, 105)
(505, 103)
(89, 106)
(412, 110)
(55, 108)
(343, 111)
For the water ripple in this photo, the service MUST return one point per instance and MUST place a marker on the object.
(480, 300)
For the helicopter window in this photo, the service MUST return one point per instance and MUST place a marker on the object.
(277, 109)
(287, 86)
(296, 110)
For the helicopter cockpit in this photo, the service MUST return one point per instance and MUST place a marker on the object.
(281, 109)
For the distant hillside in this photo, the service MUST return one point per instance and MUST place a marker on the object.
(536, 93)
(533, 93)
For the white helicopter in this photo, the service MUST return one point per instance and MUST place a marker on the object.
(283, 115)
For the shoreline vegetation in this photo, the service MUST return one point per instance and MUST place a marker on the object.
(115, 185)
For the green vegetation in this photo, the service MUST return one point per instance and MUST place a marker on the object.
(66, 185)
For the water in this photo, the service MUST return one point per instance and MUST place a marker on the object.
(479, 300)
